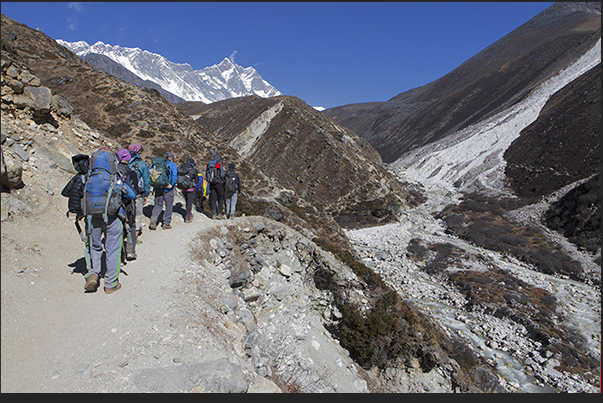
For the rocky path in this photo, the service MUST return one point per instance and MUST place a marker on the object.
(57, 338)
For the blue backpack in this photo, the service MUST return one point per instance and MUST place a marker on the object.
(103, 186)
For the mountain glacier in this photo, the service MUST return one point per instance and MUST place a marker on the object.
(211, 84)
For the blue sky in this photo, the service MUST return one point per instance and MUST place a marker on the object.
(326, 53)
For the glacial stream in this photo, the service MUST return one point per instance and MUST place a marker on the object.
(501, 342)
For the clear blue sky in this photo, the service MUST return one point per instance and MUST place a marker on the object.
(326, 53)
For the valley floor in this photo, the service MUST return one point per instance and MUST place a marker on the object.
(502, 342)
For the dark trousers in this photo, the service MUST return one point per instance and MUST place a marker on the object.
(191, 200)
(216, 199)
(199, 201)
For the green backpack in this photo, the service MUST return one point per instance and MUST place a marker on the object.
(159, 172)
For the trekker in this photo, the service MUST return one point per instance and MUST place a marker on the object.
(105, 220)
(202, 192)
(216, 187)
(232, 187)
(189, 186)
(138, 165)
(165, 195)
(74, 191)
(131, 178)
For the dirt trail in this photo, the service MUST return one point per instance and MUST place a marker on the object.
(57, 338)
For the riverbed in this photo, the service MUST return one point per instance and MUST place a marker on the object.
(502, 342)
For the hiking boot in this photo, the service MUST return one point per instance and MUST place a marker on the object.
(189, 220)
(168, 226)
(153, 226)
(131, 256)
(110, 290)
(91, 282)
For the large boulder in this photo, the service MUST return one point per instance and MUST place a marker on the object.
(12, 171)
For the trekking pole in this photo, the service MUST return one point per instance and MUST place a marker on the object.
(88, 250)
(79, 230)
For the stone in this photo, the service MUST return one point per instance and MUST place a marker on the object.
(61, 106)
(285, 270)
(40, 96)
(21, 153)
(241, 279)
(12, 171)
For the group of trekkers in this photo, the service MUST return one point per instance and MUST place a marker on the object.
(110, 190)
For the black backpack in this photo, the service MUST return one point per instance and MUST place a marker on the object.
(187, 177)
(230, 186)
(212, 174)
(74, 190)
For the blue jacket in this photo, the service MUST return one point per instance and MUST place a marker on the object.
(172, 176)
(128, 194)
(173, 168)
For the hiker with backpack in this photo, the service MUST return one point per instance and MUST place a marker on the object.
(130, 178)
(105, 192)
(74, 191)
(202, 192)
(232, 187)
(138, 165)
(163, 173)
(214, 173)
(188, 178)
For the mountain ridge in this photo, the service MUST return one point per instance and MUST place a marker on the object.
(210, 84)
(494, 79)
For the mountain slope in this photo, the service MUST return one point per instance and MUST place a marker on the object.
(214, 83)
(350, 181)
(471, 159)
(491, 81)
(107, 65)
(569, 124)
(302, 150)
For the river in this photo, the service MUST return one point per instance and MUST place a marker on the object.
(502, 342)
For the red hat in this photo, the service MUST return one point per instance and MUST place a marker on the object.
(134, 148)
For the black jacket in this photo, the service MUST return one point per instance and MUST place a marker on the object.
(74, 190)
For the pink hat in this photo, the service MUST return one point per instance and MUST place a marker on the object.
(135, 148)
(123, 155)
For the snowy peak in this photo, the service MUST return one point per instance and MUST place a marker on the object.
(214, 83)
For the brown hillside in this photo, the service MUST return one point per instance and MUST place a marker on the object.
(489, 82)
(301, 149)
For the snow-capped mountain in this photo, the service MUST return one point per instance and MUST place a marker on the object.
(214, 83)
